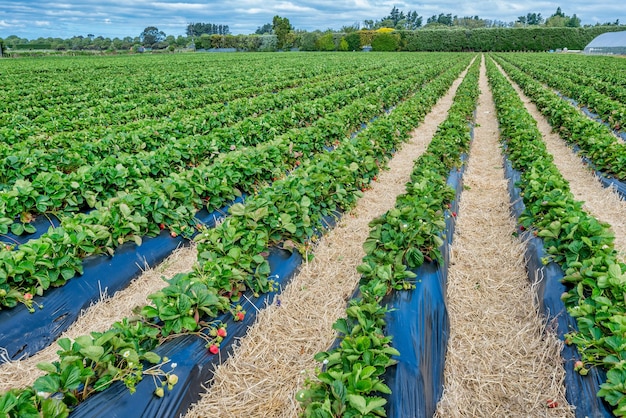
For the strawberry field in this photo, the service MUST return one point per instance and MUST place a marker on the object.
(110, 163)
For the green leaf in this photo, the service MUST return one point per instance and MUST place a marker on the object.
(358, 402)
(364, 385)
(382, 388)
(84, 340)
(369, 246)
(54, 408)
(8, 401)
(104, 338)
(47, 367)
(152, 357)
(93, 352)
(17, 229)
(238, 209)
(103, 383)
(414, 257)
(364, 269)
(291, 228)
(47, 384)
(341, 325)
(189, 323)
(367, 371)
(70, 377)
(339, 390)
(126, 212)
(149, 312)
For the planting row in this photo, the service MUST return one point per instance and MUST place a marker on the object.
(603, 74)
(69, 151)
(232, 259)
(354, 379)
(109, 91)
(567, 83)
(54, 191)
(577, 243)
(172, 202)
(593, 140)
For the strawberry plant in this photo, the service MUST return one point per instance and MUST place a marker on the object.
(579, 243)
(349, 382)
(232, 256)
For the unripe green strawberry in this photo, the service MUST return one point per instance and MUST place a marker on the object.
(172, 379)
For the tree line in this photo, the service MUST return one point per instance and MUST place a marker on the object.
(280, 34)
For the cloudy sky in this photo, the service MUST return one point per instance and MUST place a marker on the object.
(120, 18)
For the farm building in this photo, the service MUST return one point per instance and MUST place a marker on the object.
(610, 43)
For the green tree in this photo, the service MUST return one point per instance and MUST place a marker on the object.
(560, 20)
(151, 36)
(385, 42)
(281, 27)
(574, 22)
(263, 30)
(343, 45)
(326, 42)
(354, 41)
(307, 41)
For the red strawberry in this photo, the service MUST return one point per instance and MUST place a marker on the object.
(240, 316)
(454, 214)
(161, 226)
(221, 332)
(173, 234)
(214, 349)
(28, 296)
(552, 403)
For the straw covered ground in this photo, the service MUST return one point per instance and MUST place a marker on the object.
(501, 359)
(262, 378)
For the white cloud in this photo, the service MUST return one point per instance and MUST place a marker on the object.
(120, 18)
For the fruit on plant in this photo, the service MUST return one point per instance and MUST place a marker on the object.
(552, 403)
(28, 296)
(240, 316)
(221, 332)
(159, 392)
(172, 379)
(173, 234)
(214, 349)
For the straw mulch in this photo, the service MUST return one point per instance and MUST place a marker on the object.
(502, 361)
(262, 377)
(100, 316)
(604, 204)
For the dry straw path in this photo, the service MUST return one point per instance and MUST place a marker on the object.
(501, 362)
(265, 373)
